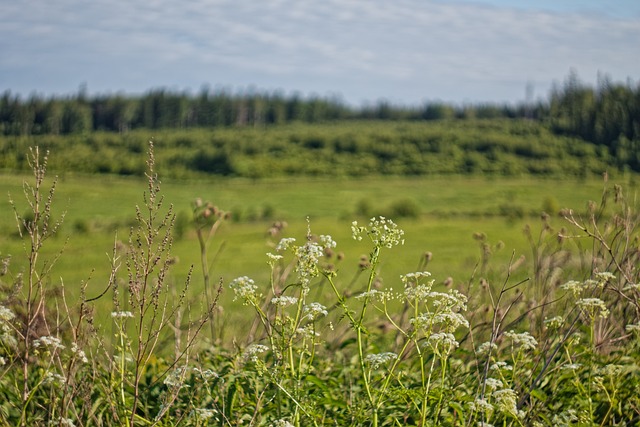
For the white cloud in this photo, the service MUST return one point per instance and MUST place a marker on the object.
(406, 49)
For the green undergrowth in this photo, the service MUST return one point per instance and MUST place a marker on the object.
(365, 325)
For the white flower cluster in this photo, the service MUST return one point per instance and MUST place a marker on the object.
(414, 290)
(486, 348)
(493, 384)
(554, 323)
(507, 402)
(442, 343)
(376, 295)
(244, 288)
(501, 366)
(6, 315)
(574, 287)
(121, 314)
(53, 378)
(593, 307)
(284, 301)
(307, 257)
(313, 310)
(251, 352)
(382, 231)
(53, 343)
(79, 353)
(380, 359)
(482, 406)
(6, 337)
(523, 340)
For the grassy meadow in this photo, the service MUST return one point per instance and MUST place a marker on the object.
(482, 301)
(444, 215)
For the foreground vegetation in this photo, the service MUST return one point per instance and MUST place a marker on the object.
(551, 342)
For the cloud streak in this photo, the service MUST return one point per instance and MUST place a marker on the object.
(406, 50)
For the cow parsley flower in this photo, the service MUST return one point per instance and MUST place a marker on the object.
(383, 232)
(251, 352)
(380, 359)
(284, 301)
(523, 340)
(593, 307)
(244, 288)
(314, 310)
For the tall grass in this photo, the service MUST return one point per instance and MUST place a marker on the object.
(552, 342)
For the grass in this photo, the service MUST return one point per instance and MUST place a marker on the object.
(451, 211)
(305, 336)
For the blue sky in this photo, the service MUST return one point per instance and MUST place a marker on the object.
(404, 51)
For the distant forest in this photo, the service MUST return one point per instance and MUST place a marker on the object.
(607, 115)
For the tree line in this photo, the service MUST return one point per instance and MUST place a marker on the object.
(606, 115)
(164, 109)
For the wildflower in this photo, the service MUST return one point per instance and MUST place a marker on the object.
(450, 320)
(273, 258)
(281, 423)
(314, 310)
(244, 288)
(81, 355)
(442, 340)
(327, 241)
(379, 359)
(53, 343)
(6, 315)
(500, 365)
(591, 305)
(414, 277)
(554, 323)
(251, 352)
(574, 287)
(493, 384)
(53, 378)
(376, 295)
(453, 300)
(121, 314)
(486, 348)
(382, 232)
(307, 332)
(420, 292)
(285, 243)
(571, 367)
(284, 301)
(481, 406)
(604, 276)
(308, 256)
(3, 361)
(631, 287)
(506, 401)
(525, 340)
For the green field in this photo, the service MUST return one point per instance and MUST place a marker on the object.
(100, 209)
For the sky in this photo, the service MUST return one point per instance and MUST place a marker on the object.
(406, 52)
